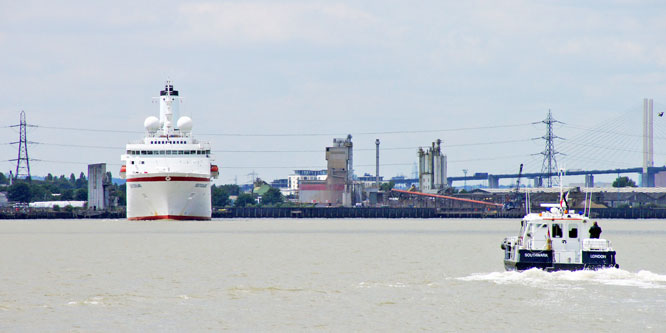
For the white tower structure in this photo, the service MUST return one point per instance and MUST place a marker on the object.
(647, 179)
(169, 110)
(97, 192)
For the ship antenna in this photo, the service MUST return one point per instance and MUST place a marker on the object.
(563, 202)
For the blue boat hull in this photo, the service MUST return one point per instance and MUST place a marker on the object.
(543, 259)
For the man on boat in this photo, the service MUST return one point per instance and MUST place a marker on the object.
(595, 231)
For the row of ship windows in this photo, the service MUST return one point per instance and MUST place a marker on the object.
(168, 152)
(168, 142)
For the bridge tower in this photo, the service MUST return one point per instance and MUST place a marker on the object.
(647, 178)
(23, 161)
(549, 165)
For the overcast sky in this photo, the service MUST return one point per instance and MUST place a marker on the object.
(406, 72)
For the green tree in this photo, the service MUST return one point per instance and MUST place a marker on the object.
(272, 196)
(387, 186)
(67, 194)
(231, 189)
(82, 181)
(245, 199)
(72, 179)
(624, 182)
(81, 194)
(219, 196)
(39, 192)
(19, 192)
(3, 178)
(121, 192)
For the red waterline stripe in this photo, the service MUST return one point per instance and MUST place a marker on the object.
(171, 179)
(169, 217)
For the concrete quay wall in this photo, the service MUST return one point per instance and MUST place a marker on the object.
(343, 212)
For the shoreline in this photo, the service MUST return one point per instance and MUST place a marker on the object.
(343, 212)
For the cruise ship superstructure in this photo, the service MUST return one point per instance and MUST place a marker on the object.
(168, 173)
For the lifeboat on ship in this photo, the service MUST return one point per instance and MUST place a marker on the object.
(214, 170)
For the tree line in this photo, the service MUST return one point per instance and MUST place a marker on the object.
(220, 197)
(56, 188)
(62, 188)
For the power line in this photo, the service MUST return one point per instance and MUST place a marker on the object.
(96, 130)
(70, 162)
(607, 131)
(285, 151)
(295, 134)
(365, 165)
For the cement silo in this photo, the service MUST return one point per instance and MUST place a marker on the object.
(432, 169)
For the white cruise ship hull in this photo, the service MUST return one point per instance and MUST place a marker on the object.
(169, 196)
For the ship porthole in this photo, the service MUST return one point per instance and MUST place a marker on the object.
(167, 178)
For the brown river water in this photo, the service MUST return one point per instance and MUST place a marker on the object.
(340, 275)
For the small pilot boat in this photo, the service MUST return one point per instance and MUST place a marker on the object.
(555, 239)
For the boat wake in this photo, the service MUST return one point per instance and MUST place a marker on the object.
(540, 279)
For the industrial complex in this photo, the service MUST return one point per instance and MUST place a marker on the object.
(430, 187)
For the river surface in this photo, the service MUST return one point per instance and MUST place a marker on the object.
(286, 275)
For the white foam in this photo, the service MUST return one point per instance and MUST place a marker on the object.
(382, 285)
(538, 278)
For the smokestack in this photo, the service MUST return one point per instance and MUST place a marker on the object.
(377, 169)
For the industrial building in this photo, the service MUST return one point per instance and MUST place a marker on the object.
(294, 180)
(98, 192)
(337, 188)
(432, 169)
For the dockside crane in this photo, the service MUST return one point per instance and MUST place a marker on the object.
(514, 199)
(520, 173)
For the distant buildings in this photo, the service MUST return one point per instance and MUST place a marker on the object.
(295, 179)
(368, 180)
(53, 204)
(3, 200)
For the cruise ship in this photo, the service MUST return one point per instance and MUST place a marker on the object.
(168, 173)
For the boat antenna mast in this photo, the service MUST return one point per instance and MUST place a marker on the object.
(169, 113)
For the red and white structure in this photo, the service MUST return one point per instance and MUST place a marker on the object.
(168, 173)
